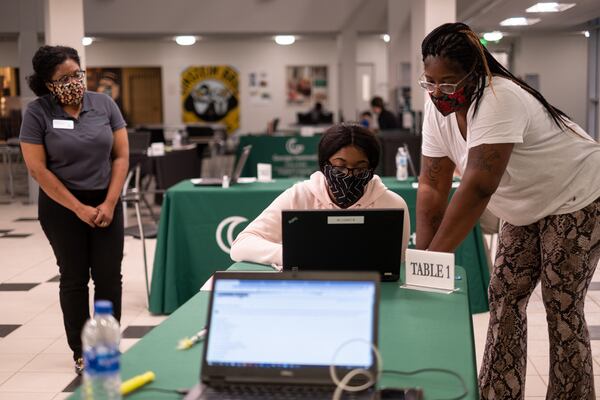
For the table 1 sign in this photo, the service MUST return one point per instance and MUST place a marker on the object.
(430, 271)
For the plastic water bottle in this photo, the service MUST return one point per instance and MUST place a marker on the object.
(401, 164)
(101, 336)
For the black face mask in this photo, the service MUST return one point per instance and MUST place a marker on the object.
(346, 189)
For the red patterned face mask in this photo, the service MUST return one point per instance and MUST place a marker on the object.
(70, 93)
(449, 103)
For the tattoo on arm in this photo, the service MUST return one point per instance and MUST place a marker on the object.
(486, 159)
(433, 169)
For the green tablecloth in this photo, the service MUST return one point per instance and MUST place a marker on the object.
(197, 225)
(416, 330)
(289, 156)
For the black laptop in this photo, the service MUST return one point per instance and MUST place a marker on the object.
(343, 240)
(237, 171)
(274, 335)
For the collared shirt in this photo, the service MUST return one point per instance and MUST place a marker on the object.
(78, 150)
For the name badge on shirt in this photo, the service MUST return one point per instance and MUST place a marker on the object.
(62, 124)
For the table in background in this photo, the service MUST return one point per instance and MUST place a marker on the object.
(198, 224)
(290, 156)
(416, 330)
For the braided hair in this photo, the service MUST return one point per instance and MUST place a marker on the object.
(458, 43)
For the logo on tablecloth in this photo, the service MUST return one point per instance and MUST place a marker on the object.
(293, 147)
(230, 223)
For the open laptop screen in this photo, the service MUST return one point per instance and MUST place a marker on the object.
(288, 323)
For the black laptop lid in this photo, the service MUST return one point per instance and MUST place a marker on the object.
(344, 240)
(286, 327)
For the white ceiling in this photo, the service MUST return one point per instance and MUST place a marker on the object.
(235, 17)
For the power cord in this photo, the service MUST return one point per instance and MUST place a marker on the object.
(442, 370)
(342, 385)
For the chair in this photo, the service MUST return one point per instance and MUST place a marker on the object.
(140, 231)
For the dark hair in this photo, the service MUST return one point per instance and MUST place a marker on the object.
(458, 43)
(377, 102)
(45, 61)
(318, 106)
(366, 114)
(342, 135)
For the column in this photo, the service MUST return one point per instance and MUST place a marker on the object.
(399, 55)
(27, 44)
(346, 47)
(64, 24)
(426, 15)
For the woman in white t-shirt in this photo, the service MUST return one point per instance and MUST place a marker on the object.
(533, 167)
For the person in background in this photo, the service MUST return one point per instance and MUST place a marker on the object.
(348, 155)
(366, 119)
(74, 143)
(537, 170)
(317, 113)
(385, 118)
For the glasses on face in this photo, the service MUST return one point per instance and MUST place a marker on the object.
(446, 88)
(77, 75)
(345, 171)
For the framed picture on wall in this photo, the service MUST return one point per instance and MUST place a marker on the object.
(306, 84)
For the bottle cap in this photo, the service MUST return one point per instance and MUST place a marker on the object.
(103, 307)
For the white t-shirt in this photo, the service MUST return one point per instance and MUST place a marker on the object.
(550, 171)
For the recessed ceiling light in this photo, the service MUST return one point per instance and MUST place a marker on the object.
(519, 21)
(86, 40)
(185, 40)
(285, 40)
(386, 38)
(586, 33)
(549, 7)
(493, 36)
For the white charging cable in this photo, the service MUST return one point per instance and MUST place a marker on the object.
(342, 385)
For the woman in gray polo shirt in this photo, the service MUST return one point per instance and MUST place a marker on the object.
(75, 146)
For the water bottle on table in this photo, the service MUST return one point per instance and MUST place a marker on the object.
(100, 337)
(401, 164)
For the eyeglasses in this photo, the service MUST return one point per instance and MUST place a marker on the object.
(446, 88)
(78, 75)
(345, 171)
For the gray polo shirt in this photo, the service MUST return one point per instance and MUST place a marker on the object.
(78, 151)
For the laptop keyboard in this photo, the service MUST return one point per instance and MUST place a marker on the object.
(284, 392)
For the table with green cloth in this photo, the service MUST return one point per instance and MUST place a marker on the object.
(289, 156)
(416, 330)
(198, 224)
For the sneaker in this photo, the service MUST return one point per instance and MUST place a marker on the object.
(79, 366)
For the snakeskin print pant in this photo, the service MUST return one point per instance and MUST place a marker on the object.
(562, 251)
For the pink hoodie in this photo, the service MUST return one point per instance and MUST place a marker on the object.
(260, 242)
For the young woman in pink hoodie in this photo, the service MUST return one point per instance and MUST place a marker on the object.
(348, 155)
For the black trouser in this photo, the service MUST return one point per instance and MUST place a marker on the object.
(79, 250)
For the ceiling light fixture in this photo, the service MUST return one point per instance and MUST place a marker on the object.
(86, 40)
(549, 7)
(519, 21)
(185, 40)
(285, 40)
(493, 36)
(586, 34)
(386, 38)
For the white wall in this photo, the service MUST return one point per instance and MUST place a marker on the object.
(245, 56)
(561, 62)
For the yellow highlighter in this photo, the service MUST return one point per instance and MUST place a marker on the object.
(136, 382)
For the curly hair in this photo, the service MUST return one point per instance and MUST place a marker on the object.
(458, 43)
(45, 61)
(341, 135)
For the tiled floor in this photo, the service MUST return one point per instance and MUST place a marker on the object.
(35, 362)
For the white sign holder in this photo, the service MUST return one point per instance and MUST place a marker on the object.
(429, 271)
